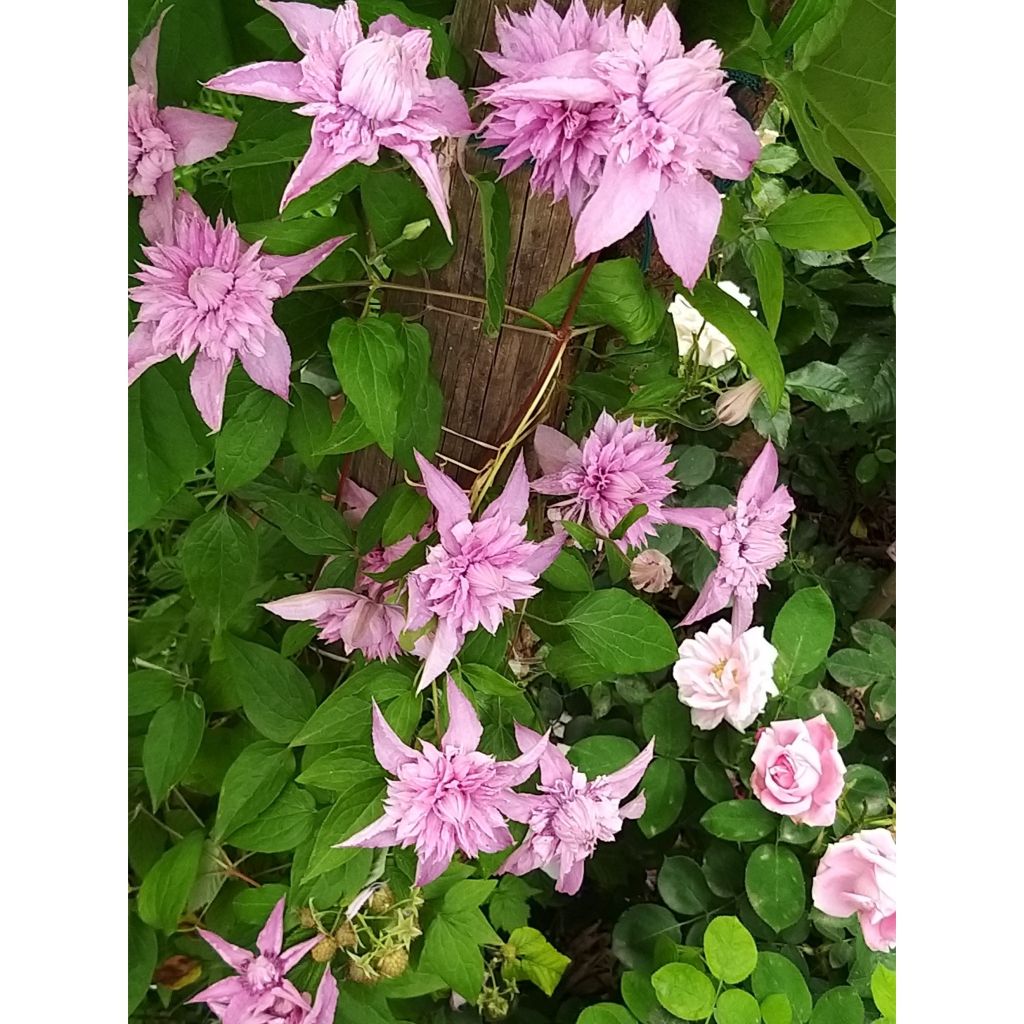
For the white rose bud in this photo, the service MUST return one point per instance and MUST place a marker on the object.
(650, 571)
(734, 405)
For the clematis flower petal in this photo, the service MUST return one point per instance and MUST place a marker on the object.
(196, 135)
(143, 61)
(422, 160)
(685, 218)
(295, 268)
(304, 22)
(320, 161)
(268, 80)
(760, 480)
(515, 498)
(445, 495)
(626, 192)
(555, 451)
(141, 352)
(390, 751)
(554, 765)
(271, 936)
(621, 782)
(207, 383)
(464, 728)
(272, 368)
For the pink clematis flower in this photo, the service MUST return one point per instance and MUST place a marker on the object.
(572, 814)
(746, 536)
(362, 93)
(617, 466)
(447, 799)
(478, 571)
(258, 992)
(798, 771)
(673, 121)
(160, 140)
(857, 875)
(566, 137)
(205, 289)
(365, 619)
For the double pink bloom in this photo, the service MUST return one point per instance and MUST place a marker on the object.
(161, 139)
(620, 118)
(258, 992)
(362, 93)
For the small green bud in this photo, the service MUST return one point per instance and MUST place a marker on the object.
(413, 231)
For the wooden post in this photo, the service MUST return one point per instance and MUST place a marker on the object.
(485, 379)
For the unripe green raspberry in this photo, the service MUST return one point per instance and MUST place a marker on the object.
(393, 963)
(346, 936)
(323, 952)
(306, 918)
(360, 974)
(381, 901)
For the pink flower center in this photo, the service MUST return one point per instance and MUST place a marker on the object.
(783, 773)
(150, 149)
(208, 287)
(262, 973)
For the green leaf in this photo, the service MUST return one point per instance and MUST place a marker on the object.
(684, 991)
(391, 201)
(605, 1013)
(753, 343)
(883, 991)
(820, 701)
(664, 785)
(172, 741)
(451, 952)
(566, 661)
(870, 363)
(250, 785)
(165, 888)
(799, 19)
(569, 572)
(339, 770)
(730, 949)
(509, 906)
(281, 826)
(368, 359)
(339, 183)
(740, 821)
(348, 434)
(821, 223)
(418, 427)
(802, 634)
(621, 632)
(851, 87)
(695, 465)
(765, 262)
(535, 959)
(249, 440)
(142, 951)
(778, 974)
(850, 667)
(167, 441)
(734, 1006)
(615, 295)
(602, 755)
(148, 689)
(880, 263)
(486, 680)
(354, 809)
(314, 526)
(839, 1005)
(494, 226)
(218, 557)
(665, 720)
(776, 1009)
(253, 906)
(285, 148)
(775, 885)
(398, 513)
(866, 793)
(309, 424)
(682, 886)
(636, 932)
(276, 696)
(195, 45)
(635, 513)
(825, 385)
(776, 158)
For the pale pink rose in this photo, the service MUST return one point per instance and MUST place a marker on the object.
(720, 678)
(857, 875)
(798, 771)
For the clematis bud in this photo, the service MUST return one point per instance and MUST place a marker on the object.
(393, 963)
(650, 571)
(413, 231)
(734, 404)
(323, 952)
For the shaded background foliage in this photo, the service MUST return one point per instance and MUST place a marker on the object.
(248, 760)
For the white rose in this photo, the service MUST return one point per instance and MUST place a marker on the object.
(714, 349)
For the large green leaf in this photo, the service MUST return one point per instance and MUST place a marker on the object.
(615, 294)
(142, 950)
(165, 888)
(218, 557)
(775, 885)
(684, 991)
(821, 223)
(851, 84)
(251, 784)
(276, 696)
(753, 343)
(167, 441)
(249, 439)
(621, 633)
(730, 949)
(739, 821)
(664, 787)
(534, 959)
(802, 634)
(279, 827)
(172, 741)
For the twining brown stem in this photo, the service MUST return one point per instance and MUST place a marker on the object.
(391, 286)
(562, 338)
